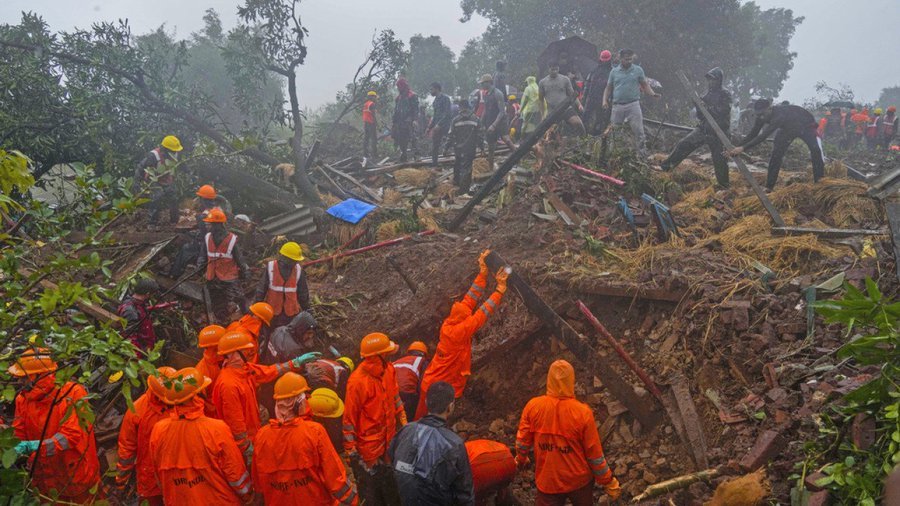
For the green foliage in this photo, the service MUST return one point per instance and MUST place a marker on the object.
(855, 476)
(88, 352)
(431, 61)
(14, 176)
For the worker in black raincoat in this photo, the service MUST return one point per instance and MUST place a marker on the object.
(718, 102)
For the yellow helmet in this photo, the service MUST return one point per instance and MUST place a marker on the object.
(371, 93)
(325, 403)
(511, 97)
(172, 143)
(292, 250)
(879, 110)
(347, 362)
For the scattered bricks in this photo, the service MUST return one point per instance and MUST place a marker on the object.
(811, 480)
(770, 375)
(767, 446)
(781, 416)
(862, 431)
(776, 394)
(819, 499)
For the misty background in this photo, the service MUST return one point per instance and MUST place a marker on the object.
(844, 42)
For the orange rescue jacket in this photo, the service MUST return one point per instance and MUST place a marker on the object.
(563, 435)
(251, 324)
(134, 444)
(452, 362)
(409, 371)
(282, 293)
(209, 366)
(220, 262)
(195, 459)
(372, 410)
(296, 464)
(234, 396)
(368, 112)
(67, 459)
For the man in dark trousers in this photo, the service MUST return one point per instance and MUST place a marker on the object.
(429, 460)
(157, 172)
(370, 125)
(494, 121)
(596, 118)
(789, 122)
(718, 103)
(440, 120)
(284, 285)
(225, 267)
(465, 134)
(406, 113)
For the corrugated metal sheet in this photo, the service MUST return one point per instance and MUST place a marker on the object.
(297, 222)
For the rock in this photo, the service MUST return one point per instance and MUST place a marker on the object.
(645, 455)
(822, 498)
(621, 469)
(668, 430)
(811, 480)
(661, 462)
(498, 426)
(862, 431)
(776, 394)
(463, 426)
(650, 478)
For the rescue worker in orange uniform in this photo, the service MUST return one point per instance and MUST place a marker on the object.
(194, 457)
(225, 266)
(328, 410)
(234, 394)
(296, 463)
(372, 413)
(63, 454)
(493, 471)
(370, 125)
(562, 433)
(410, 368)
(211, 363)
(134, 440)
(261, 313)
(452, 362)
(283, 285)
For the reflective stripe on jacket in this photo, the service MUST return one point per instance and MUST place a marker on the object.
(134, 444)
(282, 293)
(220, 260)
(409, 371)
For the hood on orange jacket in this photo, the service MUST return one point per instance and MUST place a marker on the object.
(459, 312)
(561, 380)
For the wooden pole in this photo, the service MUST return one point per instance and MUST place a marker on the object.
(726, 143)
(510, 162)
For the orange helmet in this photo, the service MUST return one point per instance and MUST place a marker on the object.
(155, 383)
(418, 346)
(33, 362)
(206, 192)
(209, 336)
(215, 215)
(290, 385)
(264, 311)
(185, 384)
(376, 343)
(892, 108)
(234, 341)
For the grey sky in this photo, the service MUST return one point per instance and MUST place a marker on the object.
(854, 42)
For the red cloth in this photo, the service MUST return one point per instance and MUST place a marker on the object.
(68, 454)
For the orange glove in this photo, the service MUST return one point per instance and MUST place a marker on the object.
(613, 490)
(501, 276)
(481, 264)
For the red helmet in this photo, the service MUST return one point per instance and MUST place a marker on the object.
(605, 55)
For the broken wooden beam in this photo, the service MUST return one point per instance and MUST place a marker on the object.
(125, 237)
(386, 169)
(138, 261)
(629, 360)
(693, 428)
(892, 211)
(882, 181)
(406, 279)
(366, 248)
(827, 232)
(88, 308)
(677, 483)
(643, 409)
(249, 185)
(566, 212)
(510, 162)
(371, 193)
(726, 143)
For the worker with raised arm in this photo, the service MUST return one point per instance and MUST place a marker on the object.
(787, 122)
(259, 314)
(373, 412)
(452, 361)
(62, 454)
(562, 433)
(295, 462)
(156, 172)
(195, 458)
(225, 266)
(283, 285)
(134, 440)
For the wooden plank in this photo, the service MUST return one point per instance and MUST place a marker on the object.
(643, 409)
(568, 215)
(692, 426)
(524, 148)
(892, 210)
(828, 232)
(374, 196)
(137, 262)
(726, 142)
(883, 180)
(888, 190)
(90, 309)
(125, 237)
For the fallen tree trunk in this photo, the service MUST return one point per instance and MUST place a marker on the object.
(678, 483)
(250, 186)
(510, 162)
(643, 409)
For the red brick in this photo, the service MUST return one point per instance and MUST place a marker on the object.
(767, 446)
(819, 499)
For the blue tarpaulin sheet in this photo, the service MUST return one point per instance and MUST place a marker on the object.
(351, 210)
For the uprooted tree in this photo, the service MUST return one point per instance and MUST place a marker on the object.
(100, 92)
